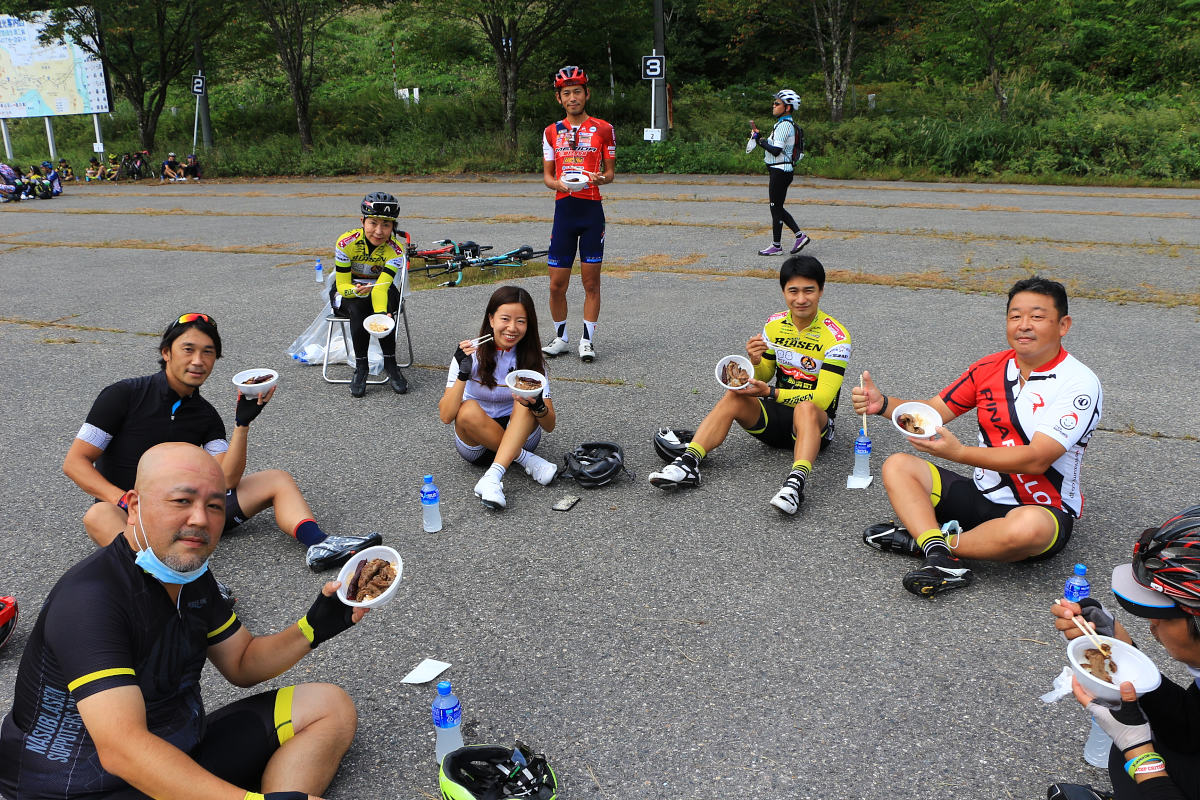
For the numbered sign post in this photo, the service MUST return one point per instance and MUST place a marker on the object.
(654, 69)
(198, 89)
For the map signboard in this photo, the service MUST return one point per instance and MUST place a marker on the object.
(46, 81)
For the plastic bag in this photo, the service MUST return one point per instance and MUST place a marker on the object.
(1062, 687)
(309, 347)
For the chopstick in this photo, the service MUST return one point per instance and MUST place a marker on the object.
(861, 386)
(481, 340)
(1079, 623)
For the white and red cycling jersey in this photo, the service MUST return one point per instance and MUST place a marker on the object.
(579, 149)
(1061, 399)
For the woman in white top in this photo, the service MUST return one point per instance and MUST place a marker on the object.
(491, 424)
(781, 155)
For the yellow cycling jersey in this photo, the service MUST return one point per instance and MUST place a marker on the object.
(355, 261)
(807, 364)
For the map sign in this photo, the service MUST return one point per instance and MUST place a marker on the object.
(46, 81)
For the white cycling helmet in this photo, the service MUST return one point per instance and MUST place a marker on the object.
(789, 98)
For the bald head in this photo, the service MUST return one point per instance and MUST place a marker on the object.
(173, 462)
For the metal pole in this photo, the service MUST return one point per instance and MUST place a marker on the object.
(50, 138)
(660, 48)
(206, 132)
(653, 102)
(196, 124)
(99, 137)
(7, 142)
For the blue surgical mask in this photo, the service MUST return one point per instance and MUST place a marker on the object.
(148, 561)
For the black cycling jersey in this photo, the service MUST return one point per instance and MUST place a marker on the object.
(105, 624)
(131, 416)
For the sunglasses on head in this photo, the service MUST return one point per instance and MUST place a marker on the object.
(186, 318)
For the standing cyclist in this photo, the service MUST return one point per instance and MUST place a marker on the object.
(782, 145)
(583, 145)
(368, 260)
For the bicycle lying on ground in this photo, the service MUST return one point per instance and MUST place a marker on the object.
(453, 257)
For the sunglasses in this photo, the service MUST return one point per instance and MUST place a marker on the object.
(186, 318)
(777, 103)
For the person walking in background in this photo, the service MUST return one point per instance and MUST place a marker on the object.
(783, 146)
(583, 146)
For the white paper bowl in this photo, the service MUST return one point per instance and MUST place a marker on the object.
(386, 324)
(1132, 665)
(927, 418)
(511, 378)
(575, 180)
(347, 572)
(255, 389)
(745, 364)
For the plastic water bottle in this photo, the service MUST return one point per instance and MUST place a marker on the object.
(431, 506)
(1077, 586)
(320, 277)
(447, 721)
(862, 455)
(1095, 750)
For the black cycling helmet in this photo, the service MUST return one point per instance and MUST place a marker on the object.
(1167, 559)
(594, 464)
(492, 772)
(670, 443)
(8, 618)
(381, 205)
(570, 76)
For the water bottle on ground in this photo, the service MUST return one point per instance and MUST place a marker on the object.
(447, 721)
(1077, 586)
(862, 455)
(431, 506)
(320, 277)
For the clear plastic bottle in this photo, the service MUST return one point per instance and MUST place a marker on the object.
(1095, 750)
(1077, 586)
(447, 721)
(431, 506)
(320, 276)
(862, 455)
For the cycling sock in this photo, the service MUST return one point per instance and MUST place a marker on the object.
(802, 466)
(797, 479)
(696, 451)
(589, 330)
(498, 471)
(308, 533)
(932, 542)
(523, 457)
(560, 329)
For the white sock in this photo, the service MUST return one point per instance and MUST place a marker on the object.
(589, 330)
(522, 456)
(560, 330)
(496, 470)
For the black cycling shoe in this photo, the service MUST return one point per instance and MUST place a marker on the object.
(939, 574)
(396, 378)
(337, 550)
(891, 537)
(226, 593)
(358, 384)
(1075, 791)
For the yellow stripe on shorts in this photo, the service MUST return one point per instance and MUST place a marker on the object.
(1057, 529)
(283, 714)
(935, 494)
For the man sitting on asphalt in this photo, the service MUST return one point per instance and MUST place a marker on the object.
(1157, 744)
(806, 351)
(107, 700)
(131, 416)
(1037, 406)
(171, 170)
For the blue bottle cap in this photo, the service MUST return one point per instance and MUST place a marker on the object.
(429, 479)
(1080, 570)
(444, 688)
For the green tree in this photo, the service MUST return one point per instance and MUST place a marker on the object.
(144, 45)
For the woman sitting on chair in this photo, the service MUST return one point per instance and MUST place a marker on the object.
(493, 426)
(371, 266)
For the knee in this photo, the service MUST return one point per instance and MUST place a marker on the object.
(278, 479)
(1029, 531)
(334, 708)
(591, 283)
(901, 465)
(806, 415)
(559, 278)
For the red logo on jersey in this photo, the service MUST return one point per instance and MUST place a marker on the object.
(1039, 402)
(1068, 422)
(350, 238)
(839, 335)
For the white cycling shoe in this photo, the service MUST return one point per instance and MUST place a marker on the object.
(490, 491)
(586, 351)
(541, 470)
(556, 347)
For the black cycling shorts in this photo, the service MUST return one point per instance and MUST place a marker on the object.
(774, 427)
(234, 515)
(240, 738)
(578, 224)
(957, 498)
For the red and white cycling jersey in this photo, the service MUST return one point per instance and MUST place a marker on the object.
(1061, 399)
(579, 149)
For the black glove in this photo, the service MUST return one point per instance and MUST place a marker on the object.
(754, 135)
(538, 406)
(326, 619)
(1127, 726)
(464, 364)
(248, 409)
(1101, 618)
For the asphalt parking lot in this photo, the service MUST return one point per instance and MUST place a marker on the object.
(695, 645)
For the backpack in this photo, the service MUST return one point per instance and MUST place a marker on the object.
(798, 147)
